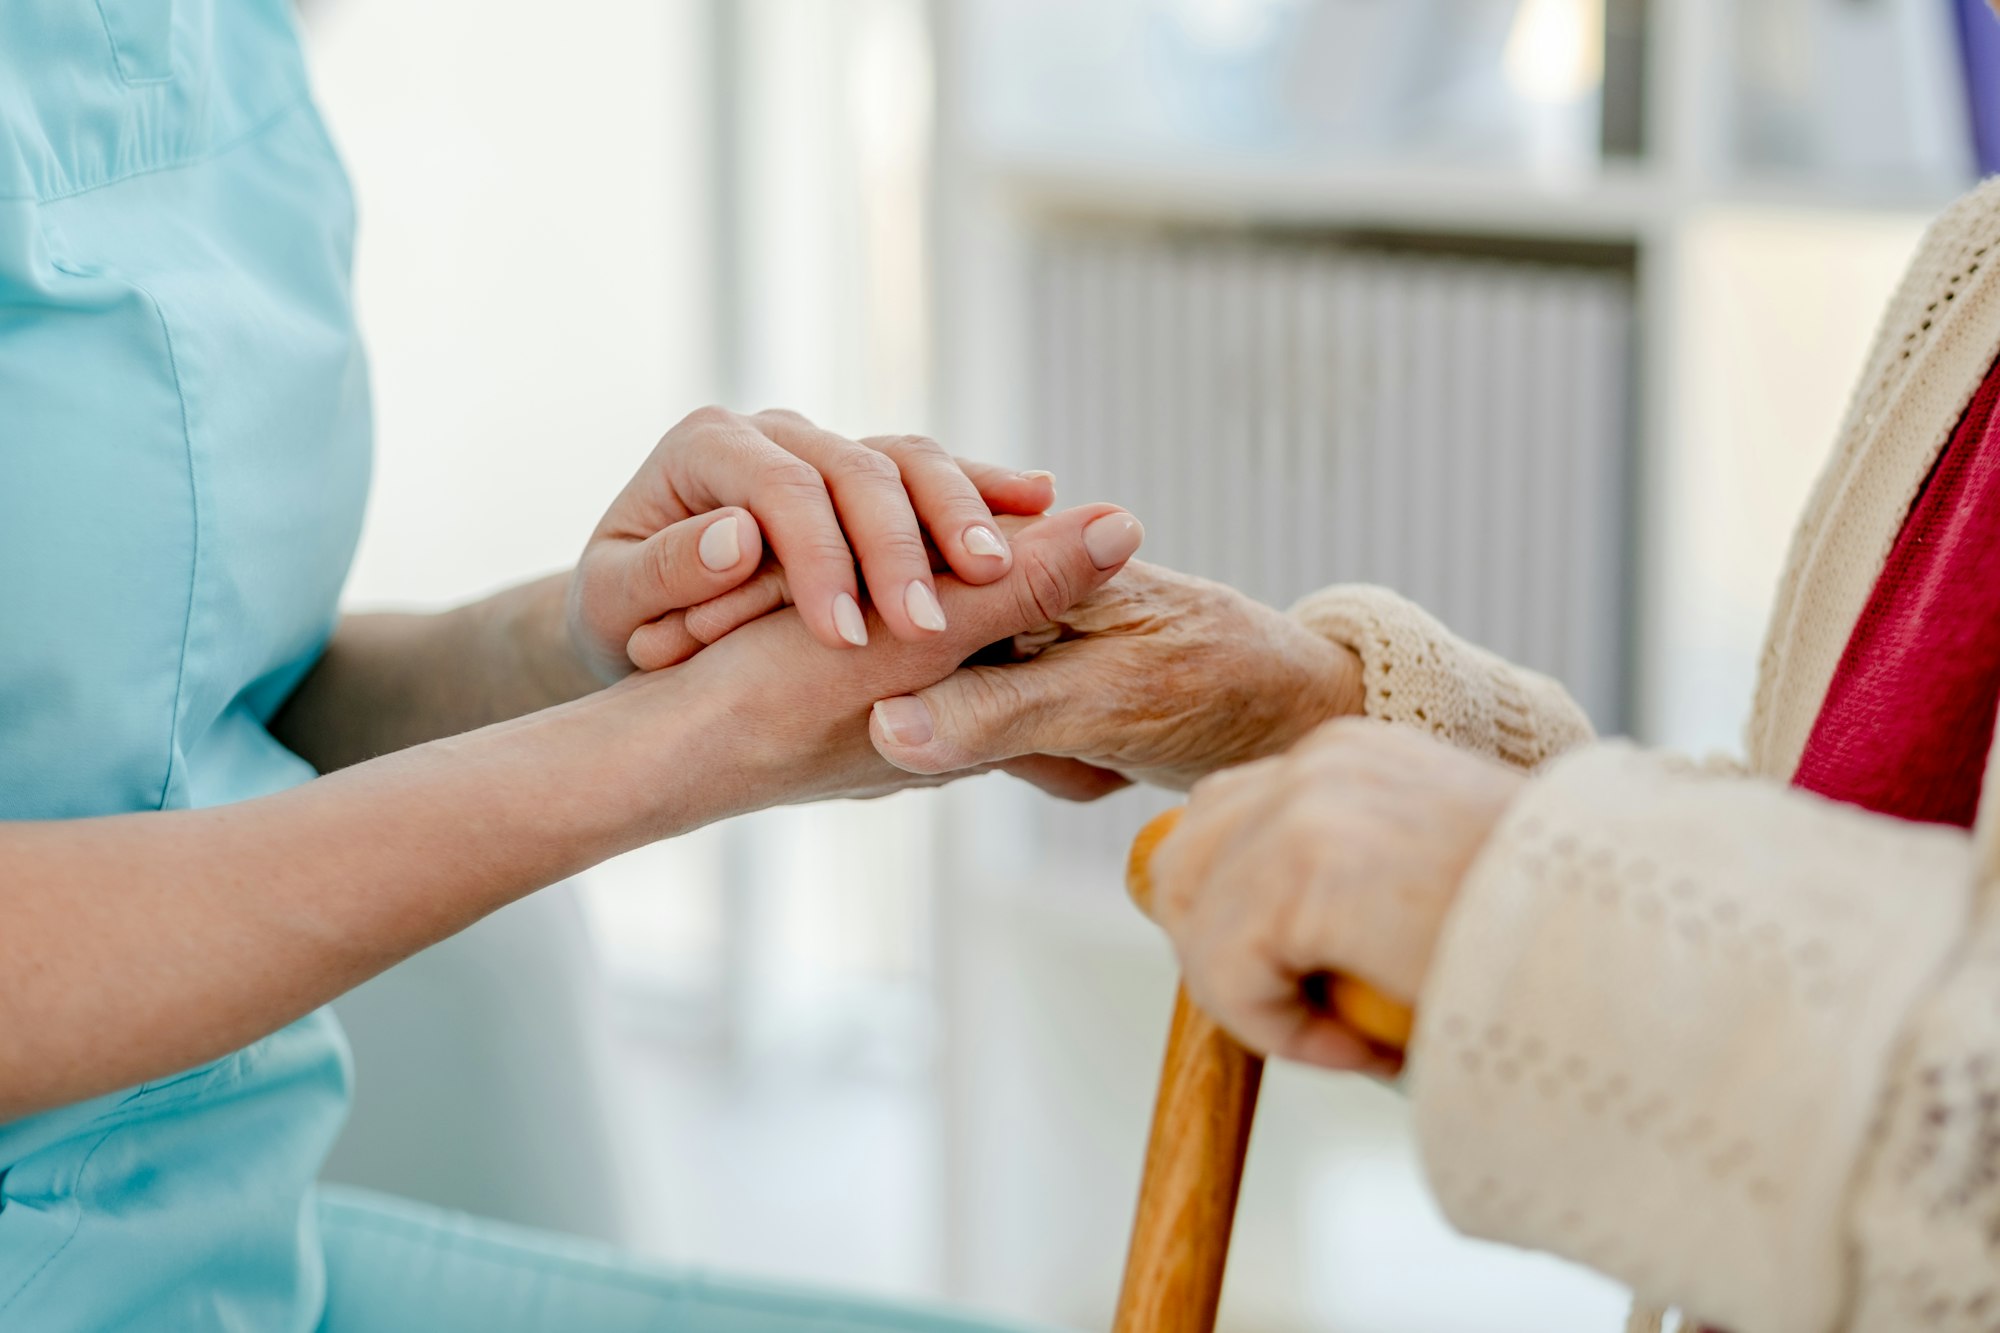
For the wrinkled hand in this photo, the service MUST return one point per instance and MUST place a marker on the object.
(1343, 855)
(790, 718)
(693, 522)
(1158, 677)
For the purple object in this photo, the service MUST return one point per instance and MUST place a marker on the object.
(1979, 45)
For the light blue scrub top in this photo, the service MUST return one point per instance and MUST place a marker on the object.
(184, 454)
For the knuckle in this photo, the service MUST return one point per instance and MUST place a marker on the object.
(869, 466)
(784, 416)
(663, 643)
(900, 547)
(912, 446)
(711, 620)
(789, 475)
(705, 624)
(991, 700)
(708, 417)
(669, 559)
(1042, 587)
(823, 545)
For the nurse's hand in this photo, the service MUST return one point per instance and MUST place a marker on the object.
(786, 721)
(1344, 854)
(695, 520)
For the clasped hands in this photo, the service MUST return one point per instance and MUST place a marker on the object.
(994, 636)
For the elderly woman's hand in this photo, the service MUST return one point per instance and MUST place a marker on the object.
(1158, 677)
(1343, 855)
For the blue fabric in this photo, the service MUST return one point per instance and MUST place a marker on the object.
(184, 455)
(398, 1267)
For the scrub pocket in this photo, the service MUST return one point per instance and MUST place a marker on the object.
(42, 1195)
(39, 1213)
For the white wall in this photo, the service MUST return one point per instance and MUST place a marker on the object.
(1776, 312)
(533, 276)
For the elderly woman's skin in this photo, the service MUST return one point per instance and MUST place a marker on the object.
(1343, 855)
(1157, 677)
(1332, 843)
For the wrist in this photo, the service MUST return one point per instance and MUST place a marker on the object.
(1322, 682)
(655, 753)
(509, 807)
(536, 624)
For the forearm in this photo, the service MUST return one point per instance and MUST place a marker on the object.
(145, 944)
(140, 945)
(389, 681)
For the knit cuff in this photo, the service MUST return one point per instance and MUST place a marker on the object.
(1418, 673)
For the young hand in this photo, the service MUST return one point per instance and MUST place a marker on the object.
(1343, 855)
(694, 522)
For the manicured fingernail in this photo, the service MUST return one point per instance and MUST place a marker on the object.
(982, 540)
(1112, 538)
(847, 620)
(905, 720)
(1039, 475)
(721, 545)
(922, 604)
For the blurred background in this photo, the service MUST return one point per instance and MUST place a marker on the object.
(1542, 311)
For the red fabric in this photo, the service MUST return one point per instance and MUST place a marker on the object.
(1906, 725)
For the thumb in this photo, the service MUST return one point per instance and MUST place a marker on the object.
(976, 715)
(1058, 560)
(628, 582)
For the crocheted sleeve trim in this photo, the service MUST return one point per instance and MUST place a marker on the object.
(1417, 673)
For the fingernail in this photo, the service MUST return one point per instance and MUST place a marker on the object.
(721, 544)
(847, 619)
(1112, 538)
(1039, 475)
(922, 604)
(905, 720)
(982, 540)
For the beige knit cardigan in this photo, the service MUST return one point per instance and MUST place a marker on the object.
(1733, 1044)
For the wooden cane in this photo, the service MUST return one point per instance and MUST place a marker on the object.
(1201, 1134)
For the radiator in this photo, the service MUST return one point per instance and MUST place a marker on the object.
(1284, 414)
